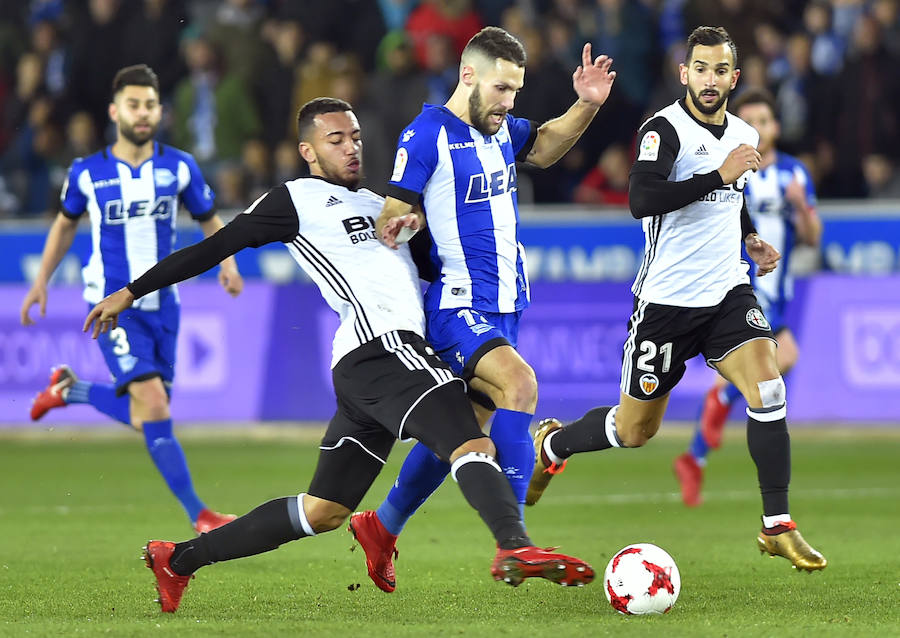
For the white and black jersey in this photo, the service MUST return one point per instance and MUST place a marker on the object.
(330, 231)
(693, 239)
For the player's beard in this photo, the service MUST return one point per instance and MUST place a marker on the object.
(712, 108)
(138, 139)
(479, 115)
(333, 174)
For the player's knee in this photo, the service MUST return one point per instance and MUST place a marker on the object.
(520, 390)
(324, 516)
(480, 445)
(772, 393)
(635, 432)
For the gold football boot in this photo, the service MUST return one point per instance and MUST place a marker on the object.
(790, 544)
(542, 474)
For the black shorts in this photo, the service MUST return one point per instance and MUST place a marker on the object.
(392, 387)
(662, 338)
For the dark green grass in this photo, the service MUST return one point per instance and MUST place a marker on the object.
(75, 511)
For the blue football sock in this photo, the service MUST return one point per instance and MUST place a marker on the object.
(421, 474)
(730, 393)
(169, 458)
(515, 449)
(699, 448)
(103, 397)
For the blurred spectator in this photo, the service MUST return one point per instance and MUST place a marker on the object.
(235, 33)
(887, 13)
(81, 138)
(286, 162)
(882, 177)
(441, 68)
(456, 19)
(277, 80)
(770, 43)
(396, 12)
(45, 43)
(607, 183)
(152, 35)
(32, 158)
(739, 17)
(827, 55)
(351, 26)
(213, 111)
(29, 86)
(867, 121)
(618, 31)
(97, 44)
(396, 92)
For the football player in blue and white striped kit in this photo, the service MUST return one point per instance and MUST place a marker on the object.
(457, 164)
(781, 200)
(131, 192)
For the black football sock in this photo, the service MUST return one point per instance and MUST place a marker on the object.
(587, 434)
(487, 490)
(265, 528)
(770, 448)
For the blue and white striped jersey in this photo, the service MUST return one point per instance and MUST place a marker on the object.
(773, 217)
(132, 213)
(466, 183)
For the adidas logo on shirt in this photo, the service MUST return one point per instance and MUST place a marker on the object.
(332, 200)
(701, 150)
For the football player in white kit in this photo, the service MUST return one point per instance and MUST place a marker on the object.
(388, 380)
(781, 199)
(692, 294)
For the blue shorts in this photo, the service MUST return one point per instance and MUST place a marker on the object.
(774, 312)
(142, 346)
(461, 336)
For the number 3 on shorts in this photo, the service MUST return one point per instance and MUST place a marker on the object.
(120, 339)
(649, 349)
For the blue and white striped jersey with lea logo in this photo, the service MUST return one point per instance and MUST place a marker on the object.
(773, 217)
(132, 213)
(466, 183)
(693, 254)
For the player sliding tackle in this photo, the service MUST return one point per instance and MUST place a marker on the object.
(388, 381)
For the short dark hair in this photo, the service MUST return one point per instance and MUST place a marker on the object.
(494, 43)
(317, 106)
(135, 75)
(710, 37)
(752, 96)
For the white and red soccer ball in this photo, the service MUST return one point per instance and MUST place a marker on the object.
(641, 579)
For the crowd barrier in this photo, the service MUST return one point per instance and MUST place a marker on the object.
(265, 355)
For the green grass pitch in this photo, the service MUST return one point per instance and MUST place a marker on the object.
(75, 510)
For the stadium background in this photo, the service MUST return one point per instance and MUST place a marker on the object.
(233, 73)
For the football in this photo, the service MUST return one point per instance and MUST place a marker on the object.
(642, 579)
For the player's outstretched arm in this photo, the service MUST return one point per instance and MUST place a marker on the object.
(592, 81)
(229, 277)
(59, 240)
(105, 315)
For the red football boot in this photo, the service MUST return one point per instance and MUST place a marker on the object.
(53, 396)
(512, 566)
(379, 546)
(713, 418)
(208, 520)
(169, 584)
(690, 475)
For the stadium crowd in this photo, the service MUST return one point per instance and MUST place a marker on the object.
(233, 74)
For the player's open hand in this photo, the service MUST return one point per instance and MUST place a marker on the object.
(763, 254)
(37, 295)
(230, 279)
(105, 315)
(593, 81)
(399, 230)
